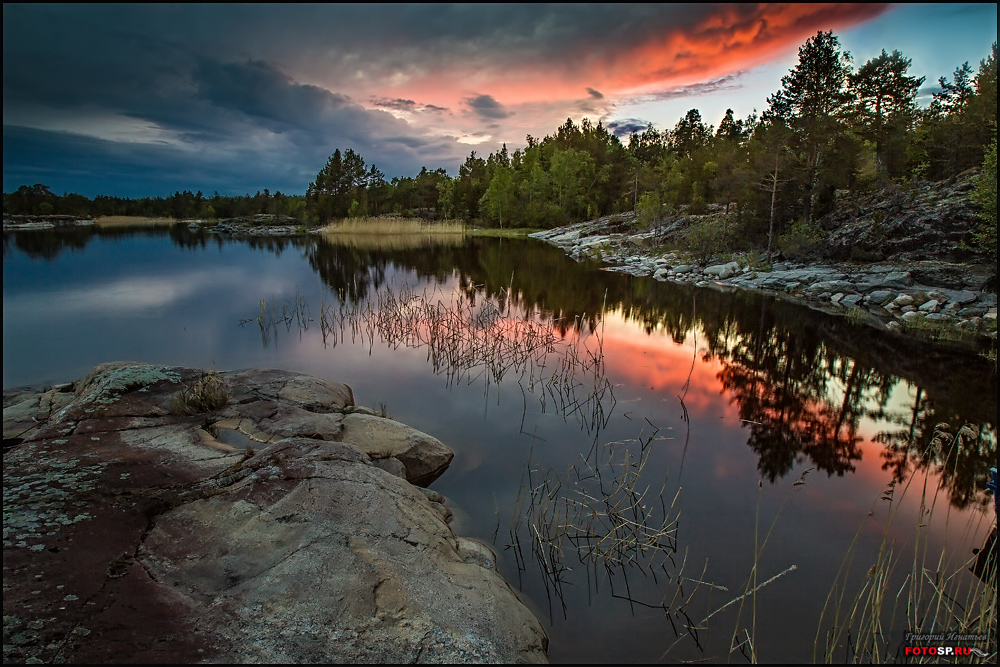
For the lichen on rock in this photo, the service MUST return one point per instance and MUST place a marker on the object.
(298, 549)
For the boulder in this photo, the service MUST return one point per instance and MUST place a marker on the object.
(722, 271)
(423, 456)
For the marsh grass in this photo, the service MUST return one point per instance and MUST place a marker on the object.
(275, 314)
(467, 341)
(205, 394)
(857, 316)
(597, 513)
(864, 621)
(133, 221)
(391, 242)
(388, 225)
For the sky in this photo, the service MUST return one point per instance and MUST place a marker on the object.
(144, 100)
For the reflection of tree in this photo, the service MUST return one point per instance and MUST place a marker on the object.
(350, 272)
(801, 380)
(779, 379)
(928, 438)
(48, 243)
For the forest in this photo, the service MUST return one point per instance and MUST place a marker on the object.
(831, 127)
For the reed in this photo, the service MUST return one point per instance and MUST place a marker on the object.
(485, 340)
(389, 225)
(133, 221)
(598, 513)
(864, 621)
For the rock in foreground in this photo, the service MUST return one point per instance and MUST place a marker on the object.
(133, 533)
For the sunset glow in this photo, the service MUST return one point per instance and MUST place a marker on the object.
(268, 92)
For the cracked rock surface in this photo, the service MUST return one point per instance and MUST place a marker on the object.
(256, 531)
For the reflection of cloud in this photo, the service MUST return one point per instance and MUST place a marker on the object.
(127, 296)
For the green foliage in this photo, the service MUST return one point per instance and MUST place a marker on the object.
(180, 205)
(648, 211)
(827, 128)
(885, 105)
(800, 239)
(707, 238)
(985, 194)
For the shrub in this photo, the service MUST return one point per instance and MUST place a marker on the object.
(800, 239)
(707, 238)
(985, 194)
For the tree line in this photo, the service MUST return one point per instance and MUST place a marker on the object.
(39, 199)
(829, 127)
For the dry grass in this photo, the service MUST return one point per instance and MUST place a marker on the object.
(205, 394)
(133, 221)
(390, 242)
(385, 225)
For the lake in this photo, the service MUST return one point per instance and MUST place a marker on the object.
(665, 471)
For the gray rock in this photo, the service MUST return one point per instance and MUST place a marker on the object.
(880, 297)
(897, 279)
(903, 300)
(424, 457)
(684, 268)
(929, 306)
(722, 271)
(851, 300)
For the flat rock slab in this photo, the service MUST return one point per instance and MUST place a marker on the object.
(133, 534)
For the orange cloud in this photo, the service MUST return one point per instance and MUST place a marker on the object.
(733, 38)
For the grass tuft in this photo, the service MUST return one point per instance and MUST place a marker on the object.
(205, 394)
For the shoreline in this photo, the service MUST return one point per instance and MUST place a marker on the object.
(929, 299)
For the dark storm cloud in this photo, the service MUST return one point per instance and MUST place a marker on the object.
(595, 94)
(728, 82)
(626, 126)
(74, 163)
(486, 107)
(400, 104)
(253, 89)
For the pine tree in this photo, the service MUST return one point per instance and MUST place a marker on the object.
(813, 102)
(885, 106)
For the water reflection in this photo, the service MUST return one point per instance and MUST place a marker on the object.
(741, 388)
(803, 382)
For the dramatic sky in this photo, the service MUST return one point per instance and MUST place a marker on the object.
(136, 100)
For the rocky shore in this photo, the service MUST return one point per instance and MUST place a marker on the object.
(920, 296)
(18, 223)
(163, 514)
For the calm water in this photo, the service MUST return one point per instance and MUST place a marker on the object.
(563, 389)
